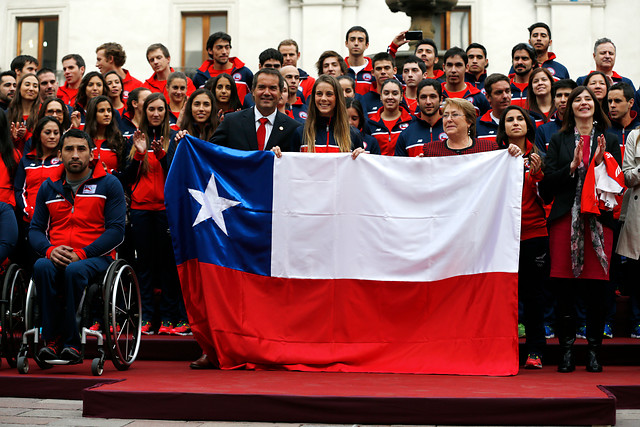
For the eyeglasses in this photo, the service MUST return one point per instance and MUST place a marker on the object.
(453, 116)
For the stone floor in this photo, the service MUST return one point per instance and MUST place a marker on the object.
(53, 412)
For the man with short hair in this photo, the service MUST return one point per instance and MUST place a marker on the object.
(296, 105)
(413, 72)
(47, 83)
(426, 50)
(7, 88)
(268, 58)
(262, 127)
(159, 59)
(455, 64)
(540, 39)
(384, 67)
(360, 67)
(290, 55)
(112, 57)
(524, 60)
(498, 92)
(73, 67)
(427, 126)
(477, 64)
(604, 55)
(24, 64)
(623, 118)
(560, 92)
(77, 224)
(219, 62)
(331, 63)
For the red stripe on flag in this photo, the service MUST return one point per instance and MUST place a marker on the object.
(463, 325)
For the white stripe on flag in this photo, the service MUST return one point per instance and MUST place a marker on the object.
(395, 219)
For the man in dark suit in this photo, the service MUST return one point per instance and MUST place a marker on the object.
(261, 127)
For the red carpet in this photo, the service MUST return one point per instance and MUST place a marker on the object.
(170, 390)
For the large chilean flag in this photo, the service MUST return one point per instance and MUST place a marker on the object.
(319, 262)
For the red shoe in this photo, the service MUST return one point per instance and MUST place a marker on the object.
(533, 362)
(146, 328)
(96, 327)
(182, 328)
(165, 328)
(117, 328)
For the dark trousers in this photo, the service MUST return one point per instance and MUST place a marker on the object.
(533, 272)
(594, 293)
(8, 231)
(59, 293)
(156, 265)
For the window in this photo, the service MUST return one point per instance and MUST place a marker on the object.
(196, 28)
(453, 28)
(38, 37)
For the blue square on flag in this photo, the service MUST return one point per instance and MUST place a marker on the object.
(225, 206)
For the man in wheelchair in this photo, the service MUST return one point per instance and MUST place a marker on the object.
(78, 222)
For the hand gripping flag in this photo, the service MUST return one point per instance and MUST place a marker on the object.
(323, 262)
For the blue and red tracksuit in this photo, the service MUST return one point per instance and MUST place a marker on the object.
(387, 137)
(325, 138)
(298, 110)
(129, 83)
(471, 94)
(486, 126)
(622, 132)
(411, 141)
(242, 76)
(91, 221)
(545, 132)
(615, 77)
(371, 103)
(478, 82)
(30, 175)
(306, 84)
(519, 93)
(364, 79)
(103, 153)
(160, 86)
(369, 143)
(67, 95)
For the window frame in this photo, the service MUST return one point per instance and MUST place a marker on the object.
(40, 20)
(206, 18)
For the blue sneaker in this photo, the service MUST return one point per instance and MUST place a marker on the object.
(635, 333)
(581, 332)
(549, 332)
(608, 333)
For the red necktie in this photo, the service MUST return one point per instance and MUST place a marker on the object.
(262, 132)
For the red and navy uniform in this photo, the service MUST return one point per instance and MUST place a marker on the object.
(129, 83)
(545, 132)
(127, 128)
(537, 118)
(306, 84)
(534, 222)
(7, 191)
(557, 70)
(471, 94)
(615, 77)
(242, 76)
(102, 153)
(387, 137)
(369, 143)
(325, 139)
(412, 105)
(440, 148)
(67, 94)
(622, 132)
(30, 175)
(298, 110)
(519, 93)
(173, 120)
(486, 126)
(160, 86)
(371, 103)
(364, 79)
(478, 82)
(412, 140)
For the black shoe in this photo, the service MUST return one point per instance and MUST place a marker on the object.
(566, 363)
(50, 350)
(592, 361)
(71, 354)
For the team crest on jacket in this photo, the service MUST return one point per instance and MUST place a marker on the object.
(403, 126)
(237, 77)
(303, 115)
(552, 71)
(366, 77)
(55, 161)
(89, 189)
(470, 99)
(442, 136)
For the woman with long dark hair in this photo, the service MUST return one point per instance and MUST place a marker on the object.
(200, 119)
(225, 93)
(539, 98)
(599, 84)
(102, 128)
(581, 237)
(23, 110)
(56, 108)
(390, 119)
(115, 91)
(92, 85)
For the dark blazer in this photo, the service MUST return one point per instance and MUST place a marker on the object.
(558, 185)
(238, 131)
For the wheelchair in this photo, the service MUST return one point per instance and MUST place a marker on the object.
(12, 307)
(118, 294)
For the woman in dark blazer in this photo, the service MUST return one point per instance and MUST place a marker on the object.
(580, 244)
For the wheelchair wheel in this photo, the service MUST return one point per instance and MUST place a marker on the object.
(122, 314)
(14, 300)
(32, 320)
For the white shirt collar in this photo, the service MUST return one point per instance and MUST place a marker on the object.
(271, 117)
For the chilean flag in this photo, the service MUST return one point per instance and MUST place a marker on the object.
(319, 262)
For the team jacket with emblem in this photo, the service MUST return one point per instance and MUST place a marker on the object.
(486, 127)
(364, 78)
(545, 132)
(30, 175)
(242, 76)
(622, 132)
(7, 193)
(412, 140)
(306, 84)
(90, 221)
(369, 143)
(371, 103)
(103, 153)
(471, 94)
(387, 137)
(147, 189)
(129, 83)
(66, 94)
(478, 83)
(518, 93)
(155, 85)
(325, 139)
(298, 110)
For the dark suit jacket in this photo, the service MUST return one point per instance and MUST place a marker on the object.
(558, 185)
(238, 130)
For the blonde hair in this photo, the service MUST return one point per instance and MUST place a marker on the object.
(467, 109)
(340, 119)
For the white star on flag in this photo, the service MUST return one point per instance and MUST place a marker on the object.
(212, 205)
